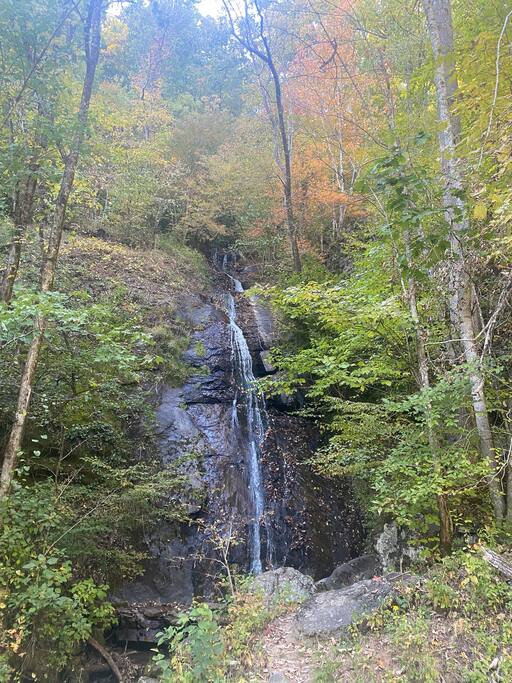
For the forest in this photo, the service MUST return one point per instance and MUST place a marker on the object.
(255, 341)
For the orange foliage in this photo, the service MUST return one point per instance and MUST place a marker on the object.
(325, 108)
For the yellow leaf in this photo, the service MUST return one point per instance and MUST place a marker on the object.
(480, 212)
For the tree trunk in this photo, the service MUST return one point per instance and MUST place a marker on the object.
(262, 51)
(92, 37)
(503, 566)
(445, 520)
(509, 484)
(23, 215)
(439, 22)
(288, 198)
(108, 658)
(507, 450)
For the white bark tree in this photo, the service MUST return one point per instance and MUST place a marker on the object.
(461, 290)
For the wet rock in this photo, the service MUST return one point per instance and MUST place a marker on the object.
(264, 321)
(257, 338)
(284, 584)
(194, 427)
(210, 355)
(358, 569)
(313, 522)
(211, 388)
(335, 610)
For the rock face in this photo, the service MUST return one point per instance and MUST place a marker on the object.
(314, 522)
(393, 548)
(335, 610)
(140, 622)
(363, 567)
(308, 523)
(284, 584)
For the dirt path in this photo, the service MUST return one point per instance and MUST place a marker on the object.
(289, 659)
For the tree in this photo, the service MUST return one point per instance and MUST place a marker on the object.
(92, 40)
(462, 299)
(31, 85)
(253, 36)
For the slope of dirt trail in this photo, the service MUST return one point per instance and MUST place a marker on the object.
(289, 657)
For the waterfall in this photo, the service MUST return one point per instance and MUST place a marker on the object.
(253, 408)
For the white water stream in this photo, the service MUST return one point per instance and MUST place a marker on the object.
(253, 410)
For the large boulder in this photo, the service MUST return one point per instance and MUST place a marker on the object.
(284, 585)
(358, 569)
(335, 610)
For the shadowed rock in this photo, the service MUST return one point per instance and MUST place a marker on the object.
(358, 569)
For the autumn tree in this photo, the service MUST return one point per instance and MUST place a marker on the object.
(252, 32)
(92, 20)
(329, 123)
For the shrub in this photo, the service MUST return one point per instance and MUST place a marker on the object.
(213, 646)
(44, 611)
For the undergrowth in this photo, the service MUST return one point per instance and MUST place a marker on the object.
(217, 644)
(453, 626)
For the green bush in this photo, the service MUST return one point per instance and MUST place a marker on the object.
(45, 611)
(213, 646)
(196, 647)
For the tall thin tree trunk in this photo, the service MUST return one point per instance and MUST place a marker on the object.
(508, 459)
(288, 198)
(263, 52)
(285, 144)
(445, 520)
(23, 215)
(439, 22)
(92, 38)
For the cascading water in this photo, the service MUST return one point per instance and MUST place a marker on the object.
(248, 466)
(251, 406)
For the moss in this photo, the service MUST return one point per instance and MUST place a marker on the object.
(200, 349)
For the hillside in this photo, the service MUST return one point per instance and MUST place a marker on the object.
(255, 341)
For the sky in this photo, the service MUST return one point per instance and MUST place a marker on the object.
(211, 7)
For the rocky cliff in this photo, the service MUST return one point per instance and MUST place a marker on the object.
(307, 523)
